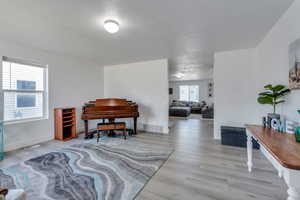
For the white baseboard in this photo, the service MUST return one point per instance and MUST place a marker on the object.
(154, 129)
(19, 145)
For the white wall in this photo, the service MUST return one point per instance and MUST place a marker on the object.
(71, 83)
(234, 98)
(273, 58)
(270, 65)
(203, 89)
(145, 83)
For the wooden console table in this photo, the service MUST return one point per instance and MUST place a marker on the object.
(282, 151)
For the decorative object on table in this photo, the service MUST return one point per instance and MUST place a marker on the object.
(278, 124)
(297, 134)
(1, 141)
(270, 117)
(113, 169)
(290, 126)
(294, 65)
(275, 123)
(297, 131)
(273, 95)
(282, 127)
(65, 123)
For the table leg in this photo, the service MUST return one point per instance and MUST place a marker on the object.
(111, 133)
(98, 135)
(135, 125)
(292, 179)
(249, 152)
(124, 133)
(86, 129)
(294, 193)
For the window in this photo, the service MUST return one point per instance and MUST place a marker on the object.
(24, 87)
(184, 93)
(189, 93)
(26, 100)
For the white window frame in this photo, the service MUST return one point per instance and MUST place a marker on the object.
(44, 92)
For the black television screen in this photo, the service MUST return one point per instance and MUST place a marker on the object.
(170, 90)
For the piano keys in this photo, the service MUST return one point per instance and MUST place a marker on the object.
(110, 109)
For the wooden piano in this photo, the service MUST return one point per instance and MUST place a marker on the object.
(109, 109)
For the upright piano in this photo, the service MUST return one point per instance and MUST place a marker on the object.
(109, 109)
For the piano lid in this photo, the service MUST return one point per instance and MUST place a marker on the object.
(109, 108)
(110, 102)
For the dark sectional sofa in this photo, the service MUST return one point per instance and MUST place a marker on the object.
(185, 108)
(208, 113)
(179, 111)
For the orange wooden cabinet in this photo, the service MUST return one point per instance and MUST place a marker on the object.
(65, 123)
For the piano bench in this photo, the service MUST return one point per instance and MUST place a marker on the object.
(111, 126)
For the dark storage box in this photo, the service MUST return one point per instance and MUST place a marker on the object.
(235, 136)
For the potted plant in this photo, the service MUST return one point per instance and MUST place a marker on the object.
(273, 95)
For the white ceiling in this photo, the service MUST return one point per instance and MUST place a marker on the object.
(186, 31)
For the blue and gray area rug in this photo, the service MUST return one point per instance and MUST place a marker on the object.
(87, 171)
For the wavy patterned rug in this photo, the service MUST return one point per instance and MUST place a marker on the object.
(87, 171)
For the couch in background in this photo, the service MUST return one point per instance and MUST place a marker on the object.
(208, 113)
(185, 108)
(179, 111)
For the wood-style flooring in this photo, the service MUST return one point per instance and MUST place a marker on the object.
(200, 167)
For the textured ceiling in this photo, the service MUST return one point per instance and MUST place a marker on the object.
(186, 31)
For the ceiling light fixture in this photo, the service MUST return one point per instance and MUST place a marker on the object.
(111, 26)
(179, 75)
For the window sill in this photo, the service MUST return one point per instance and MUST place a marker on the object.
(12, 122)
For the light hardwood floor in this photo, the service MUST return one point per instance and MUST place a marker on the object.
(200, 168)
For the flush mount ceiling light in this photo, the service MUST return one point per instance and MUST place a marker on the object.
(179, 75)
(111, 26)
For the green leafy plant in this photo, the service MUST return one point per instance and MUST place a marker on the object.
(273, 95)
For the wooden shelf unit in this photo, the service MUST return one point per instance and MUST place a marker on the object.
(65, 123)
